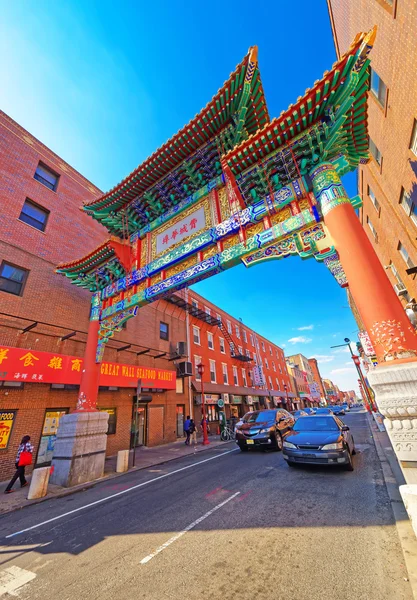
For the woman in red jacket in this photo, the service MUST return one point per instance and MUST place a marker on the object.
(25, 446)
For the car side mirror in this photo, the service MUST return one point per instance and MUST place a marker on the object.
(345, 428)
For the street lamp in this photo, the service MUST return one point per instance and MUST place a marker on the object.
(200, 369)
(356, 360)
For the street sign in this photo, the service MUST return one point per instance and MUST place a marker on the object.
(220, 403)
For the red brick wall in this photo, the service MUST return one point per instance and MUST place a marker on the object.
(394, 58)
(316, 374)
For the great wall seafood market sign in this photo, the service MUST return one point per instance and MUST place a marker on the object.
(20, 364)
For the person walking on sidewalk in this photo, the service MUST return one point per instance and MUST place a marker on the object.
(23, 458)
(187, 423)
(193, 432)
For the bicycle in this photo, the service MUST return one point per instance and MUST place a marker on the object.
(227, 434)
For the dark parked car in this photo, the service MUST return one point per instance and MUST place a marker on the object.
(338, 410)
(323, 411)
(265, 428)
(319, 440)
(299, 413)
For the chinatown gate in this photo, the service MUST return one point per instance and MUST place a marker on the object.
(235, 187)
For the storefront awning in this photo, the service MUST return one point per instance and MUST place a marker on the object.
(218, 388)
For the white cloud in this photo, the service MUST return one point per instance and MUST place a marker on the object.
(282, 345)
(343, 370)
(341, 350)
(306, 328)
(323, 358)
(300, 340)
(349, 363)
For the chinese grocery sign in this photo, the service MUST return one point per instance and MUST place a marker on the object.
(177, 233)
(7, 418)
(20, 364)
(366, 343)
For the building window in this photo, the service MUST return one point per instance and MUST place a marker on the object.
(374, 200)
(255, 358)
(251, 339)
(12, 278)
(378, 88)
(219, 318)
(237, 331)
(375, 152)
(196, 335)
(163, 331)
(225, 374)
(277, 382)
(213, 371)
(194, 303)
(270, 350)
(263, 346)
(245, 382)
(273, 366)
(245, 337)
(405, 255)
(34, 215)
(408, 205)
(210, 340)
(235, 381)
(413, 145)
(270, 382)
(14, 384)
(46, 176)
(229, 327)
(240, 350)
(266, 363)
(372, 228)
(222, 348)
(248, 354)
(197, 361)
(208, 311)
(111, 423)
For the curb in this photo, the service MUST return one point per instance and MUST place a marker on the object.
(403, 525)
(90, 484)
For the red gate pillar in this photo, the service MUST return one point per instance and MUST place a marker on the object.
(378, 304)
(87, 398)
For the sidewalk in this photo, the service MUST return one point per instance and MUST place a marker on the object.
(393, 478)
(145, 458)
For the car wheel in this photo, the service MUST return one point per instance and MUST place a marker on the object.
(278, 442)
(291, 464)
(353, 447)
(349, 465)
(243, 448)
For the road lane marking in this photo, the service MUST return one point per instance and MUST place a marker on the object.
(13, 578)
(188, 528)
(134, 487)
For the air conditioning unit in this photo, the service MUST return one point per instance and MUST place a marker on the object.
(400, 289)
(181, 348)
(184, 369)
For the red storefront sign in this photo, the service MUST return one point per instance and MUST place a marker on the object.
(20, 364)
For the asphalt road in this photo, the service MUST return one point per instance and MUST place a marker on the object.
(219, 525)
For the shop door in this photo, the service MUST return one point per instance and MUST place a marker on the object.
(140, 433)
(180, 419)
(47, 443)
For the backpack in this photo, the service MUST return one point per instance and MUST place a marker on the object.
(192, 428)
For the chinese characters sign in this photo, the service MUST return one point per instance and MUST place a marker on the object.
(7, 418)
(176, 233)
(366, 343)
(19, 364)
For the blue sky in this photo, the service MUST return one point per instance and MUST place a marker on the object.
(103, 84)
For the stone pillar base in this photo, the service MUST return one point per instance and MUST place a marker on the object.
(80, 448)
(409, 496)
(395, 387)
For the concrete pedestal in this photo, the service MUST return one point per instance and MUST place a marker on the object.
(395, 387)
(80, 448)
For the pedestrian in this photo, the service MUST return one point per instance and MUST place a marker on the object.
(23, 459)
(193, 432)
(187, 430)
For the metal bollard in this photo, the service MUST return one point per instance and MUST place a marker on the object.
(39, 483)
(122, 461)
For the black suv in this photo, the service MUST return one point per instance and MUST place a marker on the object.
(265, 428)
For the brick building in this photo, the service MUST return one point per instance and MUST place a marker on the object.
(317, 376)
(300, 384)
(387, 184)
(40, 226)
(303, 364)
(241, 366)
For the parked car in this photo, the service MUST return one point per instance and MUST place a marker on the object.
(346, 407)
(320, 440)
(265, 428)
(323, 411)
(338, 410)
(309, 410)
(299, 413)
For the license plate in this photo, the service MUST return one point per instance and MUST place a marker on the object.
(250, 442)
(309, 455)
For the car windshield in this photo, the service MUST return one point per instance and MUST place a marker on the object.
(260, 417)
(316, 424)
